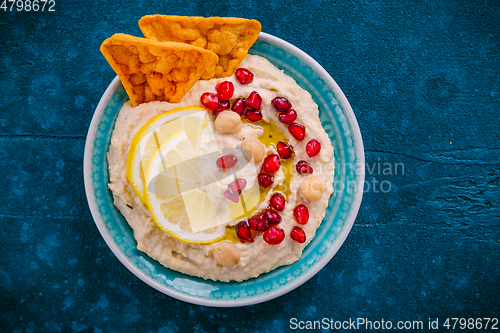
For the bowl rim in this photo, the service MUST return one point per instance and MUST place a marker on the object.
(348, 112)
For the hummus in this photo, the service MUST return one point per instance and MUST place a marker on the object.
(255, 258)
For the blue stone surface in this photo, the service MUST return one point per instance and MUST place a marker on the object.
(422, 79)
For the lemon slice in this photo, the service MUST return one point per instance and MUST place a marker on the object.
(156, 131)
(174, 195)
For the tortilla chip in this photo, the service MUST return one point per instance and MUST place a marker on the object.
(228, 37)
(154, 71)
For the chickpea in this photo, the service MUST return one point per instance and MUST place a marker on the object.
(226, 254)
(253, 148)
(312, 188)
(228, 122)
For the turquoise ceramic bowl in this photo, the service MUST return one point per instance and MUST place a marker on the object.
(339, 122)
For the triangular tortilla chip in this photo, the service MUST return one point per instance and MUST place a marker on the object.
(228, 37)
(154, 71)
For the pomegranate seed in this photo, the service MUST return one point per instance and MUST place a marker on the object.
(298, 234)
(209, 101)
(281, 104)
(271, 216)
(253, 115)
(277, 201)
(303, 168)
(225, 90)
(313, 148)
(301, 214)
(243, 75)
(237, 185)
(227, 161)
(254, 101)
(259, 223)
(288, 117)
(284, 150)
(254, 221)
(239, 106)
(274, 235)
(265, 179)
(230, 196)
(243, 232)
(223, 105)
(271, 164)
(298, 131)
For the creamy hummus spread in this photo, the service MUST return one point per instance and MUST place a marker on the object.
(244, 260)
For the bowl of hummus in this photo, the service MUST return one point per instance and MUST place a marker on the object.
(307, 167)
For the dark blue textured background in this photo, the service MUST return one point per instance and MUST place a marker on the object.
(422, 78)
